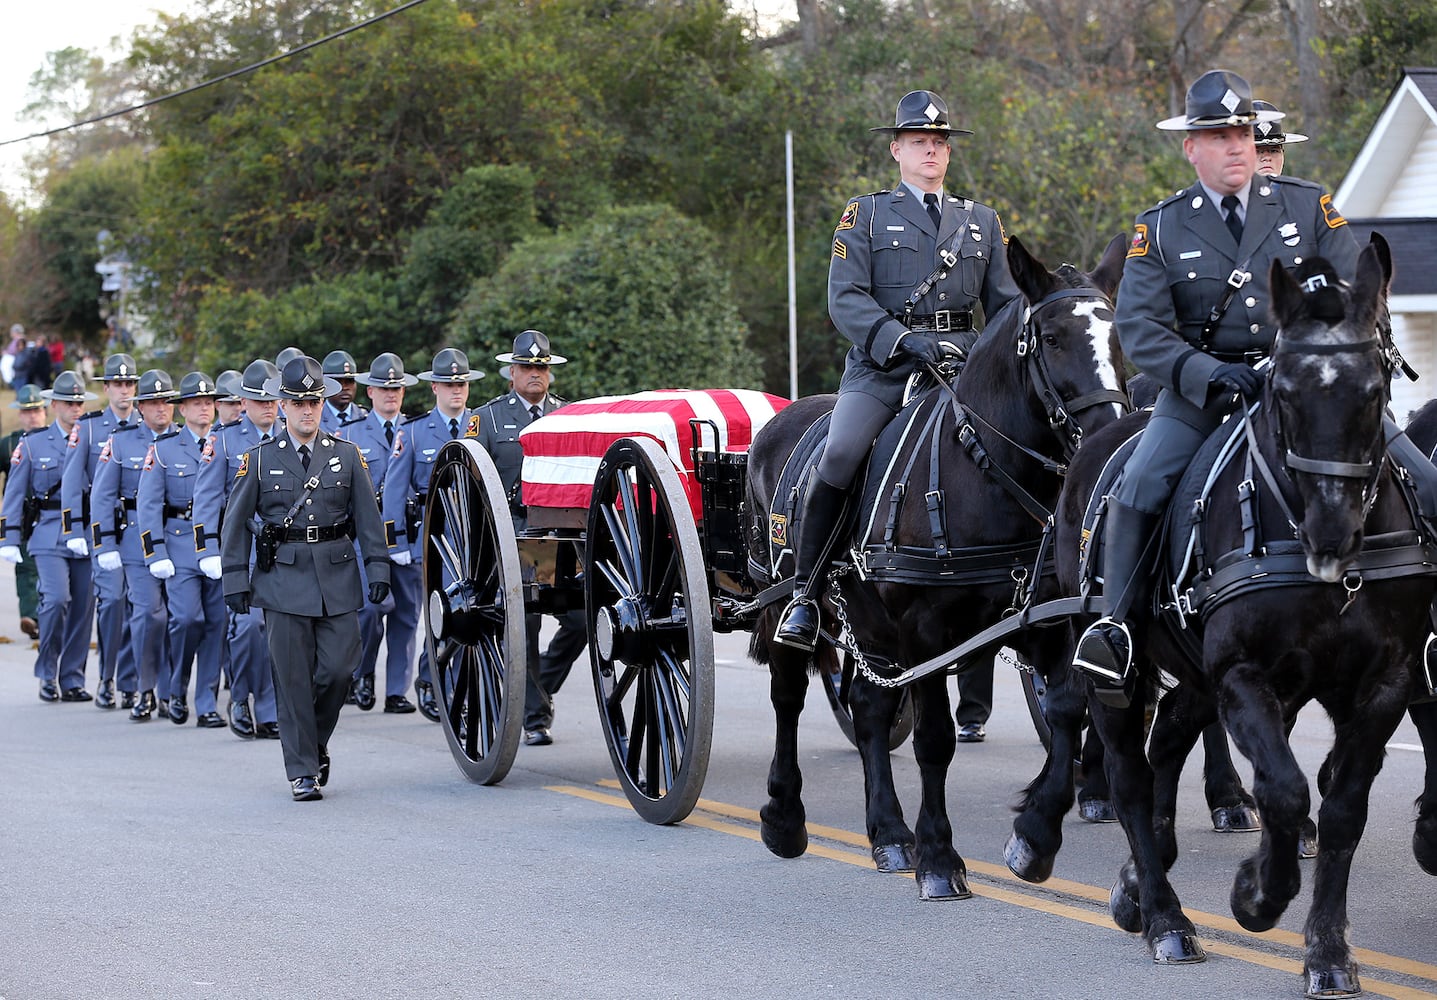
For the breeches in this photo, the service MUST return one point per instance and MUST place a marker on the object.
(856, 421)
(1174, 433)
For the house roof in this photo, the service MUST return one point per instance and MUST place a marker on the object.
(1391, 166)
(1414, 246)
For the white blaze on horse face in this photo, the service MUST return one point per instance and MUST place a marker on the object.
(1100, 335)
(1327, 374)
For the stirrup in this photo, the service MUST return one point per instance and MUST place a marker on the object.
(1429, 666)
(1105, 655)
(793, 630)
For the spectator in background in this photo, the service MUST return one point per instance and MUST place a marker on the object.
(12, 352)
(33, 367)
(57, 355)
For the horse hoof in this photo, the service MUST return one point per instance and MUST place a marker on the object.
(1123, 901)
(1178, 948)
(1307, 841)
(1097, 811)
(1339, 982)
(1241, 818)
(892, 858)
(1423, 849)
(933, 888)
(785, 847)
(1025, 862)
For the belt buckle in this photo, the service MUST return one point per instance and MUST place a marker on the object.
(1239, 277)
(942, 322)
(311, 533)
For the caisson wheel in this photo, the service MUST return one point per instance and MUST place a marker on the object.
(649, 615)
(836, 676)
(474, 611)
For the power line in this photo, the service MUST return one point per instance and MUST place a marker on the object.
(219, 79)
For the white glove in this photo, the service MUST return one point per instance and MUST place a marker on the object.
(401, 557)
(108, 561)
(210, 567)
(78, 546)
(162, 570)
(11, 554)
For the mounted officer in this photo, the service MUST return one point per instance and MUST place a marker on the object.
(1192, 313)
(907, 270)
(1271, 141)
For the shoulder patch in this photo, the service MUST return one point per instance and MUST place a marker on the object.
(74, 439)
(472, 429)
(18, 455)
(207, 449)
(1330, 215)
(150, 458)
(1139, 246)
(105, 451)
(840, 250)
(1002, 233)
(243, 469)
(850, 216)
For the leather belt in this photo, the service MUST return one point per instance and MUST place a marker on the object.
(318, 533)
(185, 513)
(1250, 357)
(943, 321)
(129, 503)
(50, 504)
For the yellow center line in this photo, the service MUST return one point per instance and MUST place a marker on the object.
(1367, 958)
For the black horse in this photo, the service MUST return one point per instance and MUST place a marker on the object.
(980, 475)
(1422, 429)
(1339, 617)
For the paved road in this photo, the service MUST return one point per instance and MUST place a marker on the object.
(169, 862)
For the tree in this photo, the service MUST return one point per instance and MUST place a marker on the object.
(634, 297)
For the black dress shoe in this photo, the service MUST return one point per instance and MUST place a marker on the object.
(105, 695)
(48, 691)
(127, 699)
(537, 737)
(266, 730)
(323, 765)
(428, 707)
(179, 711)
(241, 721)
(305, 789)
(164, 707)
(799, 625)
(143, 708)
(209, 720)
(364, 692)
(971, 732)
(75, 694)
(398, 703)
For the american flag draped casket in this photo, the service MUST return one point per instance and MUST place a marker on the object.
(562, 451)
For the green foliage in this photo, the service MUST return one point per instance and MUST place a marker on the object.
(634, 297)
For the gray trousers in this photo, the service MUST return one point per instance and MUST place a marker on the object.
(857, 420)
(1174, 433)
(313, 660)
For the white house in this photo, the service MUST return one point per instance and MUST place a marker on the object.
(1392, 187)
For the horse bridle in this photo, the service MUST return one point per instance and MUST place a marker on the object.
(1061, 411)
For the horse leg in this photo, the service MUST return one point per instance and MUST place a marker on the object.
(940, 872)
(1356, 757)
(1267, 880)
(1179, 720)
(1233, 807)
(1095, 798)
(1142, 900)
(782, 817)
(873, 709)
(1038, 829)
(1424, 836)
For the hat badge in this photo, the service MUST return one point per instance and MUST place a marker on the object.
(307, 381)
(453, 368)
(392, 376)
(1230, 100)
(932, 112)
(124, 369)
(203, 387)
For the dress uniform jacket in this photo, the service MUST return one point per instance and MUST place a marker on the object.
(416, 447)
(67, 598)
(310, 578)
(884, 247)
(331, 420)
(1178, 267)
(113, 527)
(500, 421)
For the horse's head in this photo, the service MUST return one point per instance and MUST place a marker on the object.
(1327, 395)
(1069, 341)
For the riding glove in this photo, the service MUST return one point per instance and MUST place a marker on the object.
(238, 603)
(923, 346)
(1239, 378)
(378, 591)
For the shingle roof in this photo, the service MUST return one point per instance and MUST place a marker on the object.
(1414, 247)
(1425, 80)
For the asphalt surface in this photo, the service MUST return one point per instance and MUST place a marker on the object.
(163, 861)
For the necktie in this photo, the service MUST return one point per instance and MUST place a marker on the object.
(264, 437)
(389, 432)
(931, 201)
(1234, 224)
(535, 412)
(304, 456)
(453, 428)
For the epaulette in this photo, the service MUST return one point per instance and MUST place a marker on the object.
(233, 423)
(37, 430)
(497, 399)
(1294, 181)
(127, 427)
(168, 434)
(92, 414)
(1175, 196)
(355, 420)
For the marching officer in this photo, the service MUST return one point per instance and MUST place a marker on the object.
(172, 549)
(908, 271)
(251, 678)
(312, 494)
(117, 657)
(1193, 314)
(115, 543)
(228, 405)
(27, 582)
(374, 435)
(340, 366)
(32, 518)
(406, 482)
(530, 372)
(1271, 141)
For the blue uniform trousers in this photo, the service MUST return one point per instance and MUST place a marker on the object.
(394, 622)
(250, 673)
(148, 621)
(113, 618)
(406, 582)
(196, 633)
(67, 602)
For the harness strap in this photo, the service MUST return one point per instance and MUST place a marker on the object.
(934, 497)
(963, 567)
(1240, 276)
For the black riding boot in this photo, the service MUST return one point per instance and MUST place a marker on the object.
(1105, 651)
(818, 526)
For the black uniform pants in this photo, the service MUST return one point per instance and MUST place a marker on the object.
(313, 659)
(856, 422)
(547, 672)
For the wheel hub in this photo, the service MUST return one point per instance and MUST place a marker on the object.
(620, 629)
(456, 613)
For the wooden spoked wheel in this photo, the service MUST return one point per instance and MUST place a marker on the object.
(474, 611)
(649, 614)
